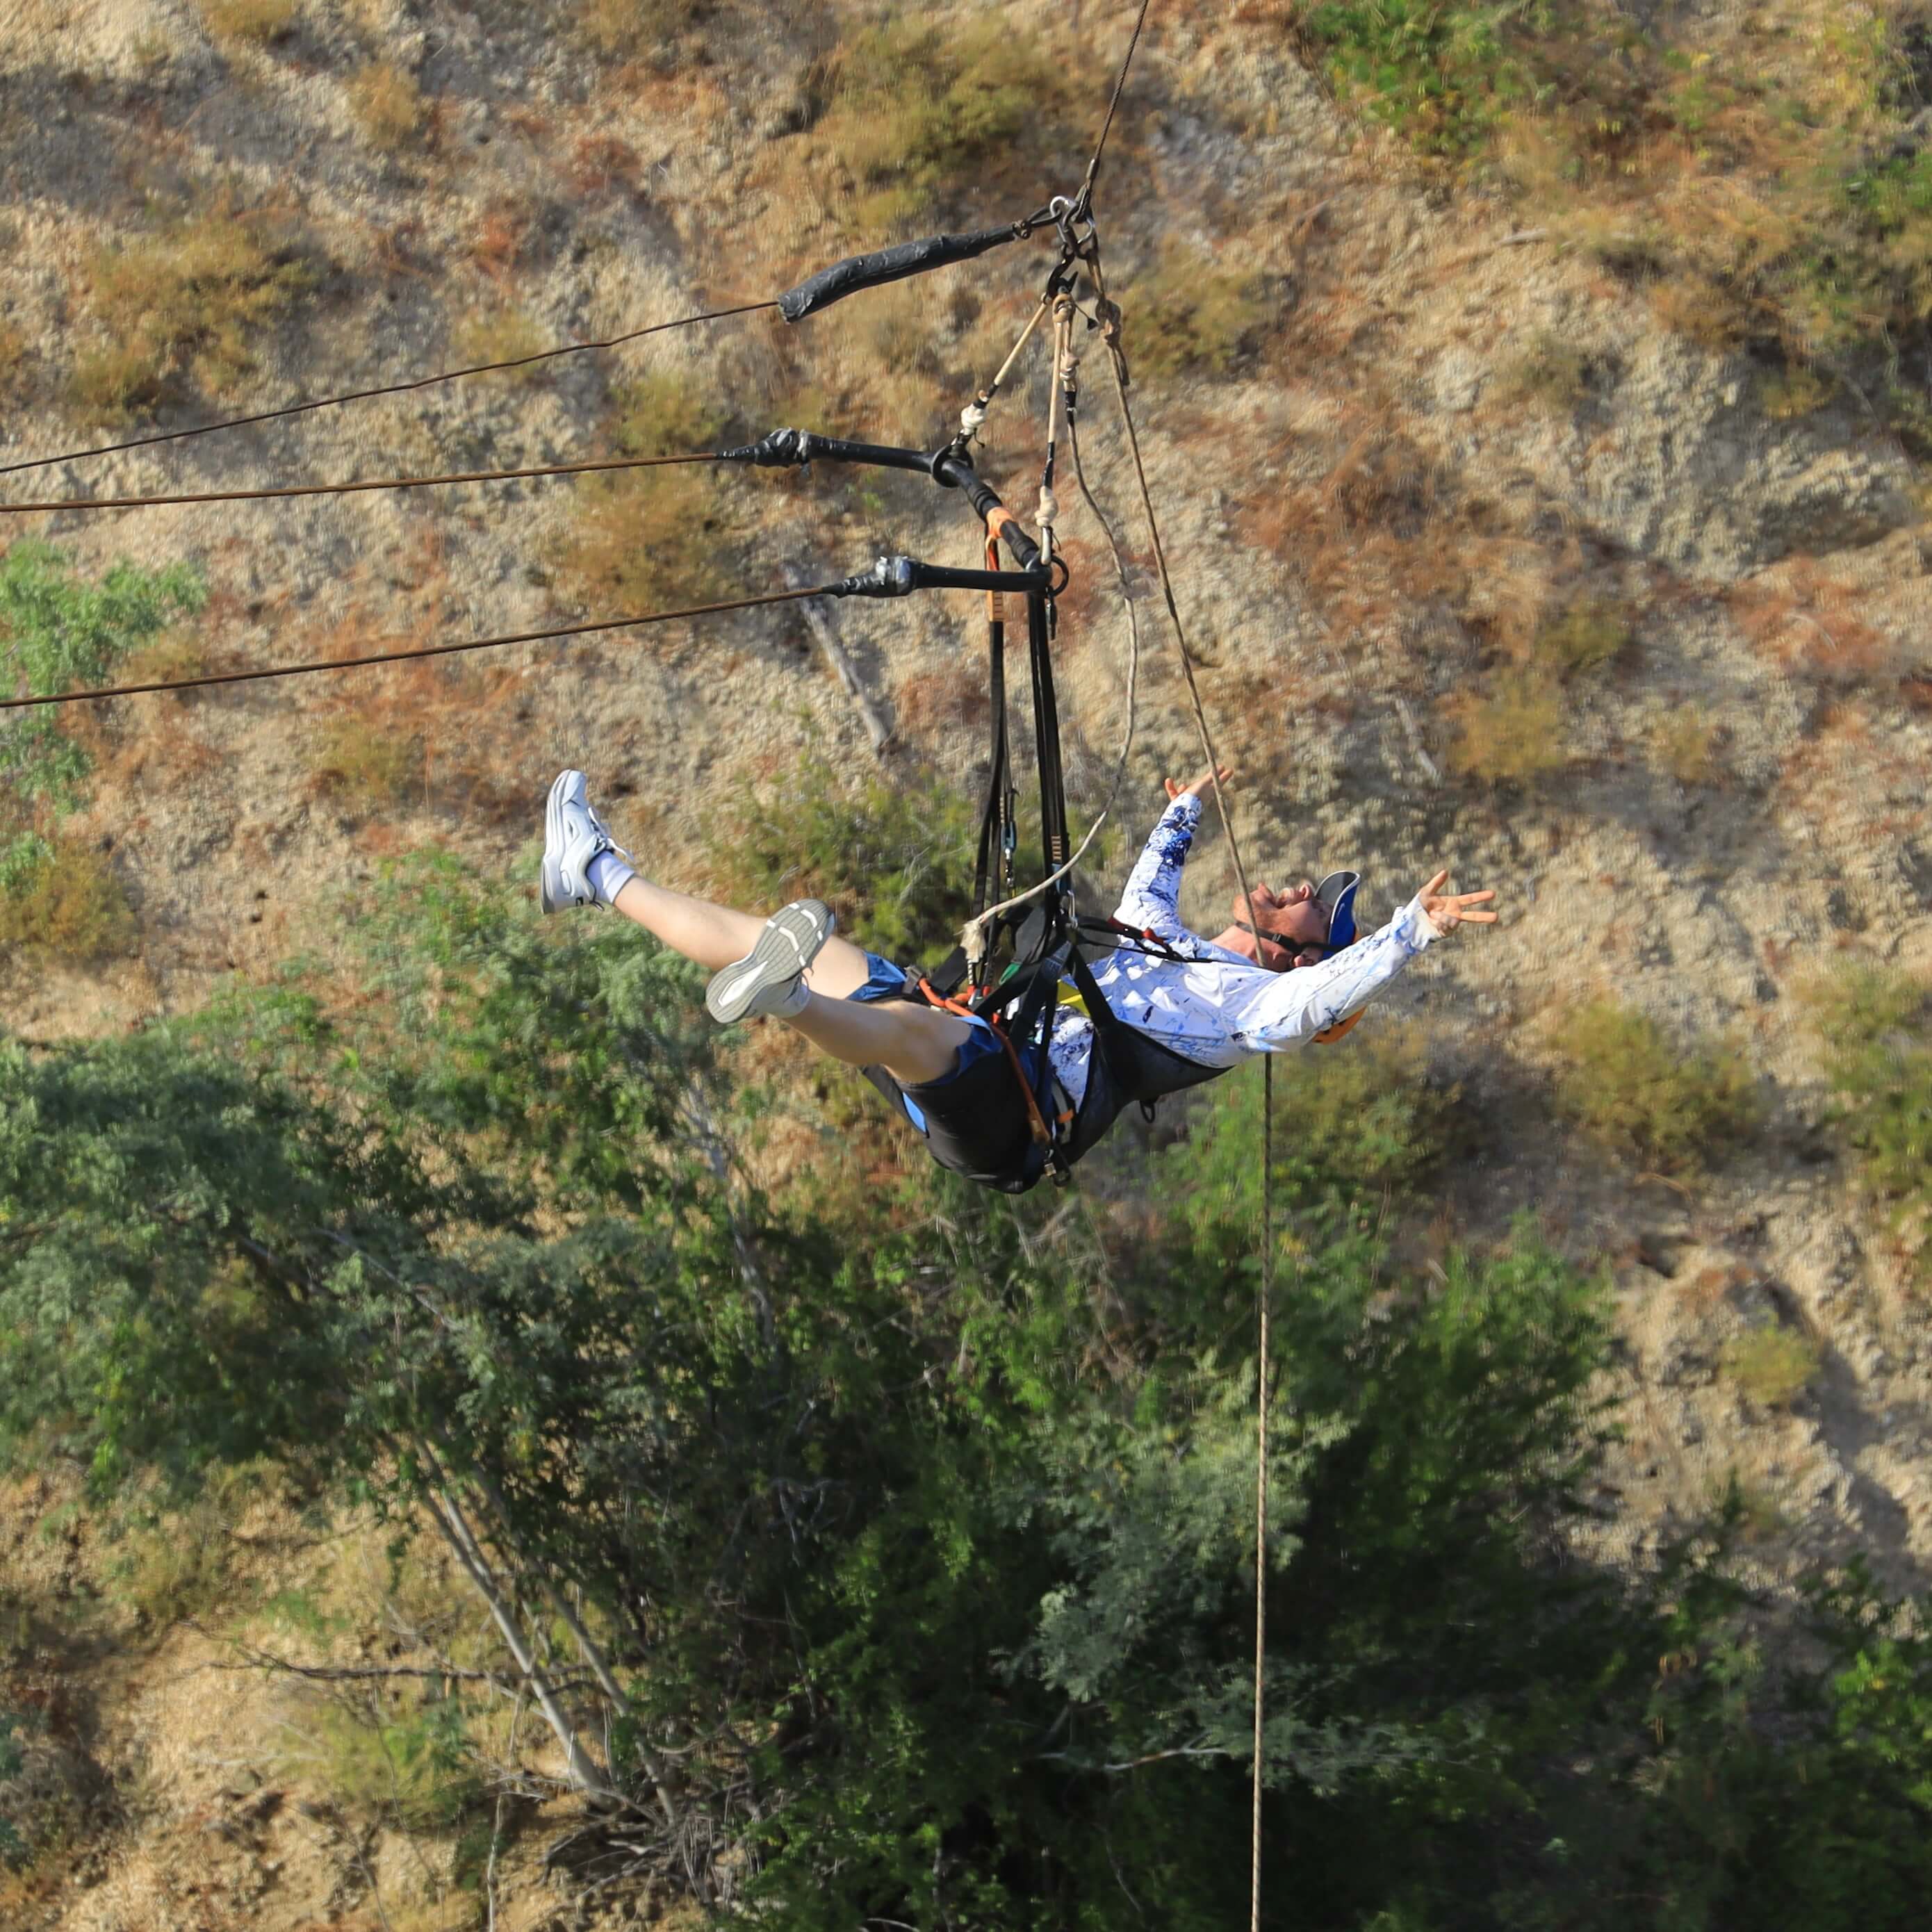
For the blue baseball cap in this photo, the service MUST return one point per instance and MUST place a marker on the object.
(1336, 892)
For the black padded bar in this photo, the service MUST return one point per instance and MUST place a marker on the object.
(901, 576)
(887, 265)
(791, 448)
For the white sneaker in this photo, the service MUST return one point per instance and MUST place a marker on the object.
(573, 835)
(769, 980)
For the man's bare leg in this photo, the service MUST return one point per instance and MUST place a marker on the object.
(715, 936)
(913, 1043)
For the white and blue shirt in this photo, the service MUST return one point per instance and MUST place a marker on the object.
(1213, 1007)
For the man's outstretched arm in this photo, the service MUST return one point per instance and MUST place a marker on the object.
(1266, 1015)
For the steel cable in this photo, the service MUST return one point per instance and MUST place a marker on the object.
(382, 389)
(50, 504)
(255, 675)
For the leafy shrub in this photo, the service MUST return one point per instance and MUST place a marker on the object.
(185, 303)
(254, 22)
(367, 766)
(62, 635)
(1191, 317)
(1514, 736)
(1876, 1026)
(386, 102)
(178, 1564)
(894, 860)
(1633, 1089)
(1753, 193)
(66, 901)
(12, 1845)
(1441, 76)
(917, 107)
(415, 1768)
(665, 413)
(1593, 632)
(1353, 1121)
(1773, 1366)
(501, 334)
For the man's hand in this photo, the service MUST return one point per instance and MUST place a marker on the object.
(1445, 911)
(1201, 785)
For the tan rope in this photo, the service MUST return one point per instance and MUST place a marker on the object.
(383, 389)
(1265, 1293)
(416, 651)
(973, 417)
(350, 489)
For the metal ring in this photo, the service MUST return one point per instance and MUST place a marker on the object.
(1059, 563)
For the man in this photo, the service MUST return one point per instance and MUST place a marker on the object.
(1289, 970)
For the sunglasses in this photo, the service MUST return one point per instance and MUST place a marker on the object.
(1294, 946)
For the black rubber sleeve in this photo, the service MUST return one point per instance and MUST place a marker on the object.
(782, 448)
(886, 265)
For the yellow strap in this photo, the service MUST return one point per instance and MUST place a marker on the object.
(1070, 996)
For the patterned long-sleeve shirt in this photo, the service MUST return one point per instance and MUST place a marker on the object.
(1213, 1007)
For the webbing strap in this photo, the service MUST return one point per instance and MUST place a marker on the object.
(1046, 734)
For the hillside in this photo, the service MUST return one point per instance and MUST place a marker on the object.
(1541, 444)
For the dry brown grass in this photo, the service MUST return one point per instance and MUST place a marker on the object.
(1513, 734)
(1689, 747)
(16, 361)
(387, 102)
(917, 106)
(647, 30)
(1807, 621)
(1592, 632)
(255, 23)
(1552, 373)
(185, 303)
(499, 332)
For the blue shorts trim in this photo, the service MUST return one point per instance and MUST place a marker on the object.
(885, 981)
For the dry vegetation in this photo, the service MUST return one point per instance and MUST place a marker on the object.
(388, 106)
(258, 23)
(66, 903)
(187, 303)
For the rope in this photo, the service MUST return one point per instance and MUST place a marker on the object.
(1261, 1478)
(350, 489)
(1265, 1293)
(419, 651)
(383, 389)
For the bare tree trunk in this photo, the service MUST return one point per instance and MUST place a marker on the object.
(827, 639)
(584, 1773)
(588, 1648)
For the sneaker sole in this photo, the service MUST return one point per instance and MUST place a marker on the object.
(791, 940)
(550, 894)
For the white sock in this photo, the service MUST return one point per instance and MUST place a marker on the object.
(607, 875)
(791, 1002)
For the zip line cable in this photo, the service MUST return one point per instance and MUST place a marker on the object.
(1120, 87)
(253, 677)
(349, 489)
(383, 389)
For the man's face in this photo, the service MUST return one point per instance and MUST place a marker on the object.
(1292, 925)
